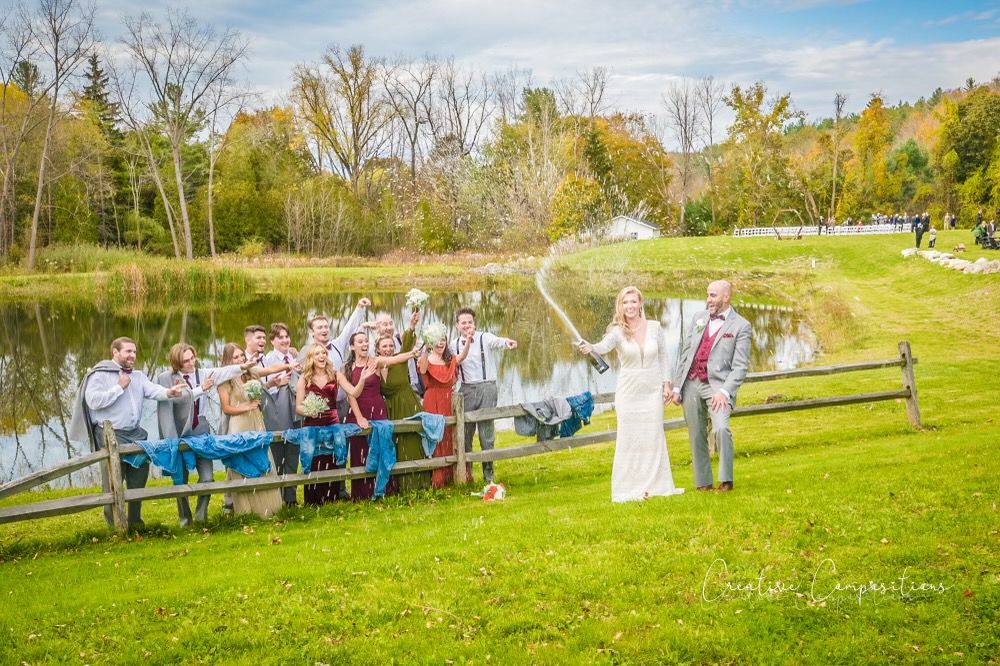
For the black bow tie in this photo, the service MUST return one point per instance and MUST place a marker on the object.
(127, 371)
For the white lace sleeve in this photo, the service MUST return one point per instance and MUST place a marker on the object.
(609, 341)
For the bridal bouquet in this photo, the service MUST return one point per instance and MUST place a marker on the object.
(415, 299)
(254, 389)
(314, 405)
(433, 333)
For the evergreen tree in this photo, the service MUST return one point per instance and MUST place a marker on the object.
(27, 77)
(96, 92)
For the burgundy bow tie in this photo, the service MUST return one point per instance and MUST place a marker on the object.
(717, 316)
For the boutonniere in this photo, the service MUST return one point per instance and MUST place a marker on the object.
(700, 323)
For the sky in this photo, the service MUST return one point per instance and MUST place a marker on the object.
(811, 49)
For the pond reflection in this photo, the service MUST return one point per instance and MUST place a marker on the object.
(45, 349)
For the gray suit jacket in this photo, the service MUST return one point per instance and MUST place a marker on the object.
(174, 417)
(729, 359)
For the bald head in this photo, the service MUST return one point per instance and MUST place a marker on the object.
(720, 293)
(383, 324)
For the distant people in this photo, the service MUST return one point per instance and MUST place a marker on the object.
(979, 216)
(478, 374)
(241, 414)
(932, 240)
(114, 390)
(979, 233)
(918, 231)
(439, 370)
(714, 359)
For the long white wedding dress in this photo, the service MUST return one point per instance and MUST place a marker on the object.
(642, 463)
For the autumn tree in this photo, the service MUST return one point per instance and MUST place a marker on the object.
(756, 165)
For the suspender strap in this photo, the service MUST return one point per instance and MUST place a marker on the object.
(482, 355)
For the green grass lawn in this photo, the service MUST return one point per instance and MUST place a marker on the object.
(849, 538)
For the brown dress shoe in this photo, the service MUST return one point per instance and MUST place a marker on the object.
(725, 486)
(707, 488)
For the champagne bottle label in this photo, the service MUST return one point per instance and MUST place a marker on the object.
(598, 362)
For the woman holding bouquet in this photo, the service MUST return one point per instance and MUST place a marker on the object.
(318, 379)
(362, 382)
(241, 413)
(439, 370)
(402, 402)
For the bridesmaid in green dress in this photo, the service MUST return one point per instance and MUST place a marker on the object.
(401, 402)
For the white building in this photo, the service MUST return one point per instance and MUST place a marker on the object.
(623, 227)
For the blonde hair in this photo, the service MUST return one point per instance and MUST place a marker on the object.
(177, 355)
(619, 318)
(379, 342)
(309, 365)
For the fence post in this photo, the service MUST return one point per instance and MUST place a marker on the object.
(910, 382)
(117, 488)
(458, 409)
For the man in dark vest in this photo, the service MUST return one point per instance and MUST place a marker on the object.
(714, 358)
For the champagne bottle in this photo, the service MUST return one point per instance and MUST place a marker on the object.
(598, 362)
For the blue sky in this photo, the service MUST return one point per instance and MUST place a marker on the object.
(809, 48)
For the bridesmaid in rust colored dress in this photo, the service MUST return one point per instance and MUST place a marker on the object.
(439, 370)
(363, 384)
(318, 378)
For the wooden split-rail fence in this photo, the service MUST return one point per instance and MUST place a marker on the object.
(118, 497)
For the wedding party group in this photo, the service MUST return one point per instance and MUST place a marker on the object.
(369, 372)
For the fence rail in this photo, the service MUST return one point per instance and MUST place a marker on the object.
(818, 230)
(110, 456)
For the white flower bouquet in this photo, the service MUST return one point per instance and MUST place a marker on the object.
(254, 389)
(433, 333)
(415, 299)
(313, 405)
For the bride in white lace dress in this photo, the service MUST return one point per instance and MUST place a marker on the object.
(642, 463)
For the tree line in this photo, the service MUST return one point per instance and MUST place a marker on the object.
(163, 149)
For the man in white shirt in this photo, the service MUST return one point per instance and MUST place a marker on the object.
(319, 332)
(114, 391)
(478, 374)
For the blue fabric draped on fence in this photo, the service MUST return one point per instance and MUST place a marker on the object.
(321, 440)
(244, 452)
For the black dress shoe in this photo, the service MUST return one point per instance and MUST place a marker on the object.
(724, 487)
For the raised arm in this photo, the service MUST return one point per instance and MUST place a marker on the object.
(350, 328)
(468, 345)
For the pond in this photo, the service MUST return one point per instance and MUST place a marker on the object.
(45, 349)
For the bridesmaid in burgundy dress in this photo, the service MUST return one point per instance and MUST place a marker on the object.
(363, 384)
(318, 378)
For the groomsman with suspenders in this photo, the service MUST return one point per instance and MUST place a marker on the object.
(478, 374)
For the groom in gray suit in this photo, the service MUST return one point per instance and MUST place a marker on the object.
(715, 355)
